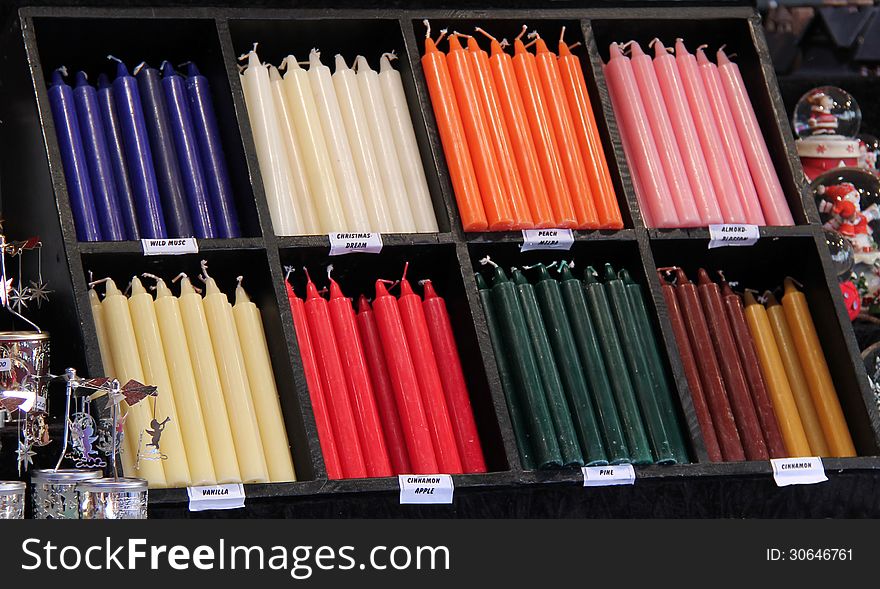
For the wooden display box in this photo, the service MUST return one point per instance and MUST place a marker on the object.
(35, 201)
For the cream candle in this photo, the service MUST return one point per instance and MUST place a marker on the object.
(263, 390)
(236, 389)
(319, 169)
(201, 355)
(127, 362)
(183, 381)
(407, 147)
(358, 132)
(146, 332)
(101, 329)
(286, 216)
(383, 144)
(337, 144)
(299, 187)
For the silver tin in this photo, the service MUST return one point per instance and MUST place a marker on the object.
(122, 498)
(54, 492)
(12, 499)
(29, 351)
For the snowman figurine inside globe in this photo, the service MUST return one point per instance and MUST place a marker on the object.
(826, 121)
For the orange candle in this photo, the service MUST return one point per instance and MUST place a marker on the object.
(522, 145)
(809, 350)
(542, 134)
(587, 133)
(773, 370)
(495, 201)
(458, 160)
(572, 163)
(499, 136)
(796, 378)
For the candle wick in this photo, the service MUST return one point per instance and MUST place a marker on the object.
(390, 55)
(99, 281)
(308, 276)
(204, 276)
(162, 65)
(487, 261)
(128, 288)
(178, 277)
(424, 282)
(562, 34)
(91, 276)
(289, 270)
(114, 58)
(523, 32)
(534, 35)
(63, 70)
(483, 31)
(239, 280)
(427, 24)
(721, 272)
(405, 269)
(329, 271)
(442, 34)
(573, 45)
(703, 47)
(504, 43)
(139, 67)
(797, 282)
(151, 276)
(185, 63)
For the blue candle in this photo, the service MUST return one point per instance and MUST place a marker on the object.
(116, 152)
(177, 217)
(73, 157)
(187, 152)
(85, 97)
(211, 151)
(138, 155)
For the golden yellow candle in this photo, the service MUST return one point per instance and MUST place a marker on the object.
(127, 363)
(773, 369)
(796, 378)
(101, 329)
(201, 355)
(236, 389)
(183, 381)
(146, 331)
(809, 350)
(263, 390)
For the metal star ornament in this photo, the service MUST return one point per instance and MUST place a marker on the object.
(19, 298)
(25, 456)
(39, 292)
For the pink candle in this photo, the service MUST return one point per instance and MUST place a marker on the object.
(742, 179)
(633, 122)
(686, 135)
(664, 137)
(710, 140)
(773, 203)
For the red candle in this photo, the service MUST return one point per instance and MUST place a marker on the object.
(313, 382)
(691, 372)
(416, 328)
(333, 382)
(737, 389)
(710, 373)
(563, 128)
(752, 369)
(452, 376)
(366, 416)
(395, 440)
(422, 458)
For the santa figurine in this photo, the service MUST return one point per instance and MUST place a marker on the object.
(822, 121)
(842, 202)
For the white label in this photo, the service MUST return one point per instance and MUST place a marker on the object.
(216, 497)
(170, 247)
(346, 243)
(547, 239)
(731, 234)
(5, 364)
(40, 403)
(423, 489)
(798, 471)
(606, 476)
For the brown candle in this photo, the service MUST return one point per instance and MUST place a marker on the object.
(691, 373)
(731, 369)
(752, 369)
(710, 373)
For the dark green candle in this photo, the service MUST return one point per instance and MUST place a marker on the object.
(638, 367)
(618, 373)
(548, 371)
(571, 372)
(513, 397)
(524, 369)
(662, 390)
(594, 367)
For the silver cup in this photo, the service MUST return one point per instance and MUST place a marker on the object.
(54, 492)
(29, 352)
(122, 498)
(12, 499)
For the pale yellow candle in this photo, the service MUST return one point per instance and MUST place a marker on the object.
(186, 396)
(201, 355)
(127, 363)
(146, 332)
(301, 106)
(236, 389)
(263, 390)
(299, 187)
(101, 329)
